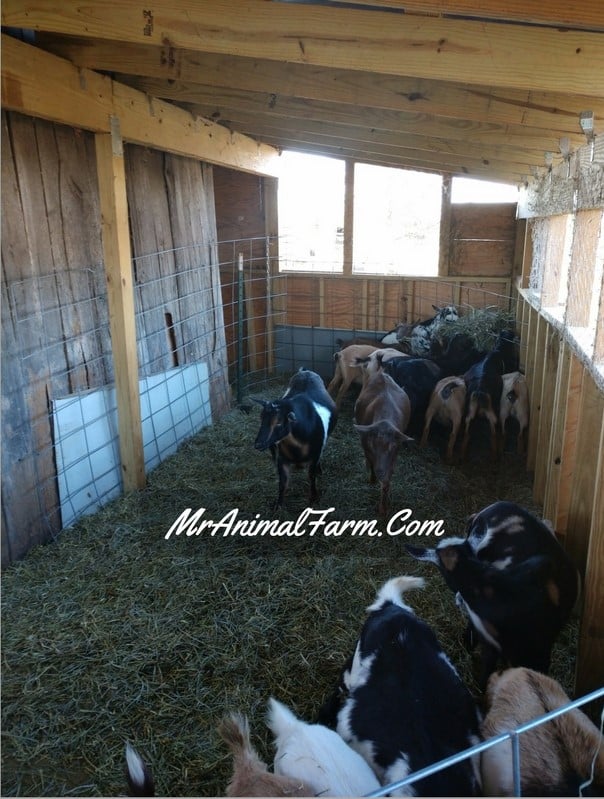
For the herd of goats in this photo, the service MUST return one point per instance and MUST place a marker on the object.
(400, 705)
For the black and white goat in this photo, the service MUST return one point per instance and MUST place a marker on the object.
(421, 334)
(406, 706)
(513, 580)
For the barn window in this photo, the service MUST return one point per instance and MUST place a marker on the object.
(396, 221)
(468, 190)
(311, 213)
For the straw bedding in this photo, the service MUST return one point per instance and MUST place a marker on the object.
(114, 633)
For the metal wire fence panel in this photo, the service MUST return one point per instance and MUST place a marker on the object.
(512, 735)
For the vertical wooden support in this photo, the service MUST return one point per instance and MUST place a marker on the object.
(522, 317)
(556, 443)
(444, 256)
(590, 656)
(546, 406)
(348, 216)
(120, 297)
(271, 227)
(527, 258)
(520, 245)
(569, 443)
(534, 371)
(589, 431)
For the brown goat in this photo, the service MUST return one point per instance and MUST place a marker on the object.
(349, 367)
(381, 413)
(556, 757)
(447, 407)
(251, 776)
(515, 404)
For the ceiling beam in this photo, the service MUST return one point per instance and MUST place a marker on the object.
(523, 57)
(42, 85)
(388, 92)
(258, 126)
(586, 15)
(229, 104)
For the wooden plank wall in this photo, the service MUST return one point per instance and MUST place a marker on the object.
(55, 332)
(566, 454)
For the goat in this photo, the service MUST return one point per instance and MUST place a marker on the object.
(349, 369)
(406, 706)
(251, 776)
(515, 404)
(417, 376)
(456, 356)
(420, 334)
(381, 413)
(556, 757)
(296, 427)
(317, 755)
(446, 406)
(514, 581)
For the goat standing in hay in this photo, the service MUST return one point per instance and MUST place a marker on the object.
(317, 755)
(556, 758)
(514, 404)
(349, 369)
(296, 427)
(447, 407)
(407, 707)
(381, 412)
(513, 580)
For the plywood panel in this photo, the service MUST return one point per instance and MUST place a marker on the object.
(556, 443)
(590, 657)
(589, 432)
(481, 258)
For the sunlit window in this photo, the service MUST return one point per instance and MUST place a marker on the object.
(469, 190)
(396, 221)
(311, 213)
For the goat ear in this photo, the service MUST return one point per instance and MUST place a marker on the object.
(291, 416)
(423, 553)
(436, 308)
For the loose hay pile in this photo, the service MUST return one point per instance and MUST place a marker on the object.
(115, 633)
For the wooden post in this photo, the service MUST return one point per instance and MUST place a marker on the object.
(120, 297)
(271, 227)
(534, 376)
(556, 443)
(572, 403)
(590, 656)
(546, 409)
(348, 216)
(444, 258)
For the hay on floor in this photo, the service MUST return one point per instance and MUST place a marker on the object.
(115, 634)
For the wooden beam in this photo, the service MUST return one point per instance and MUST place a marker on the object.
(42, 85)
(348, 217)
(476, 102)
(120, 300)
(589, 14)
(524, 57)
(245, 105)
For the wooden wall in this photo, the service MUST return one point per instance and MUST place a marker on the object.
(566, 456)
(55, 327)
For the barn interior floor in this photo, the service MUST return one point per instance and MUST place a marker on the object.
(114, 633)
